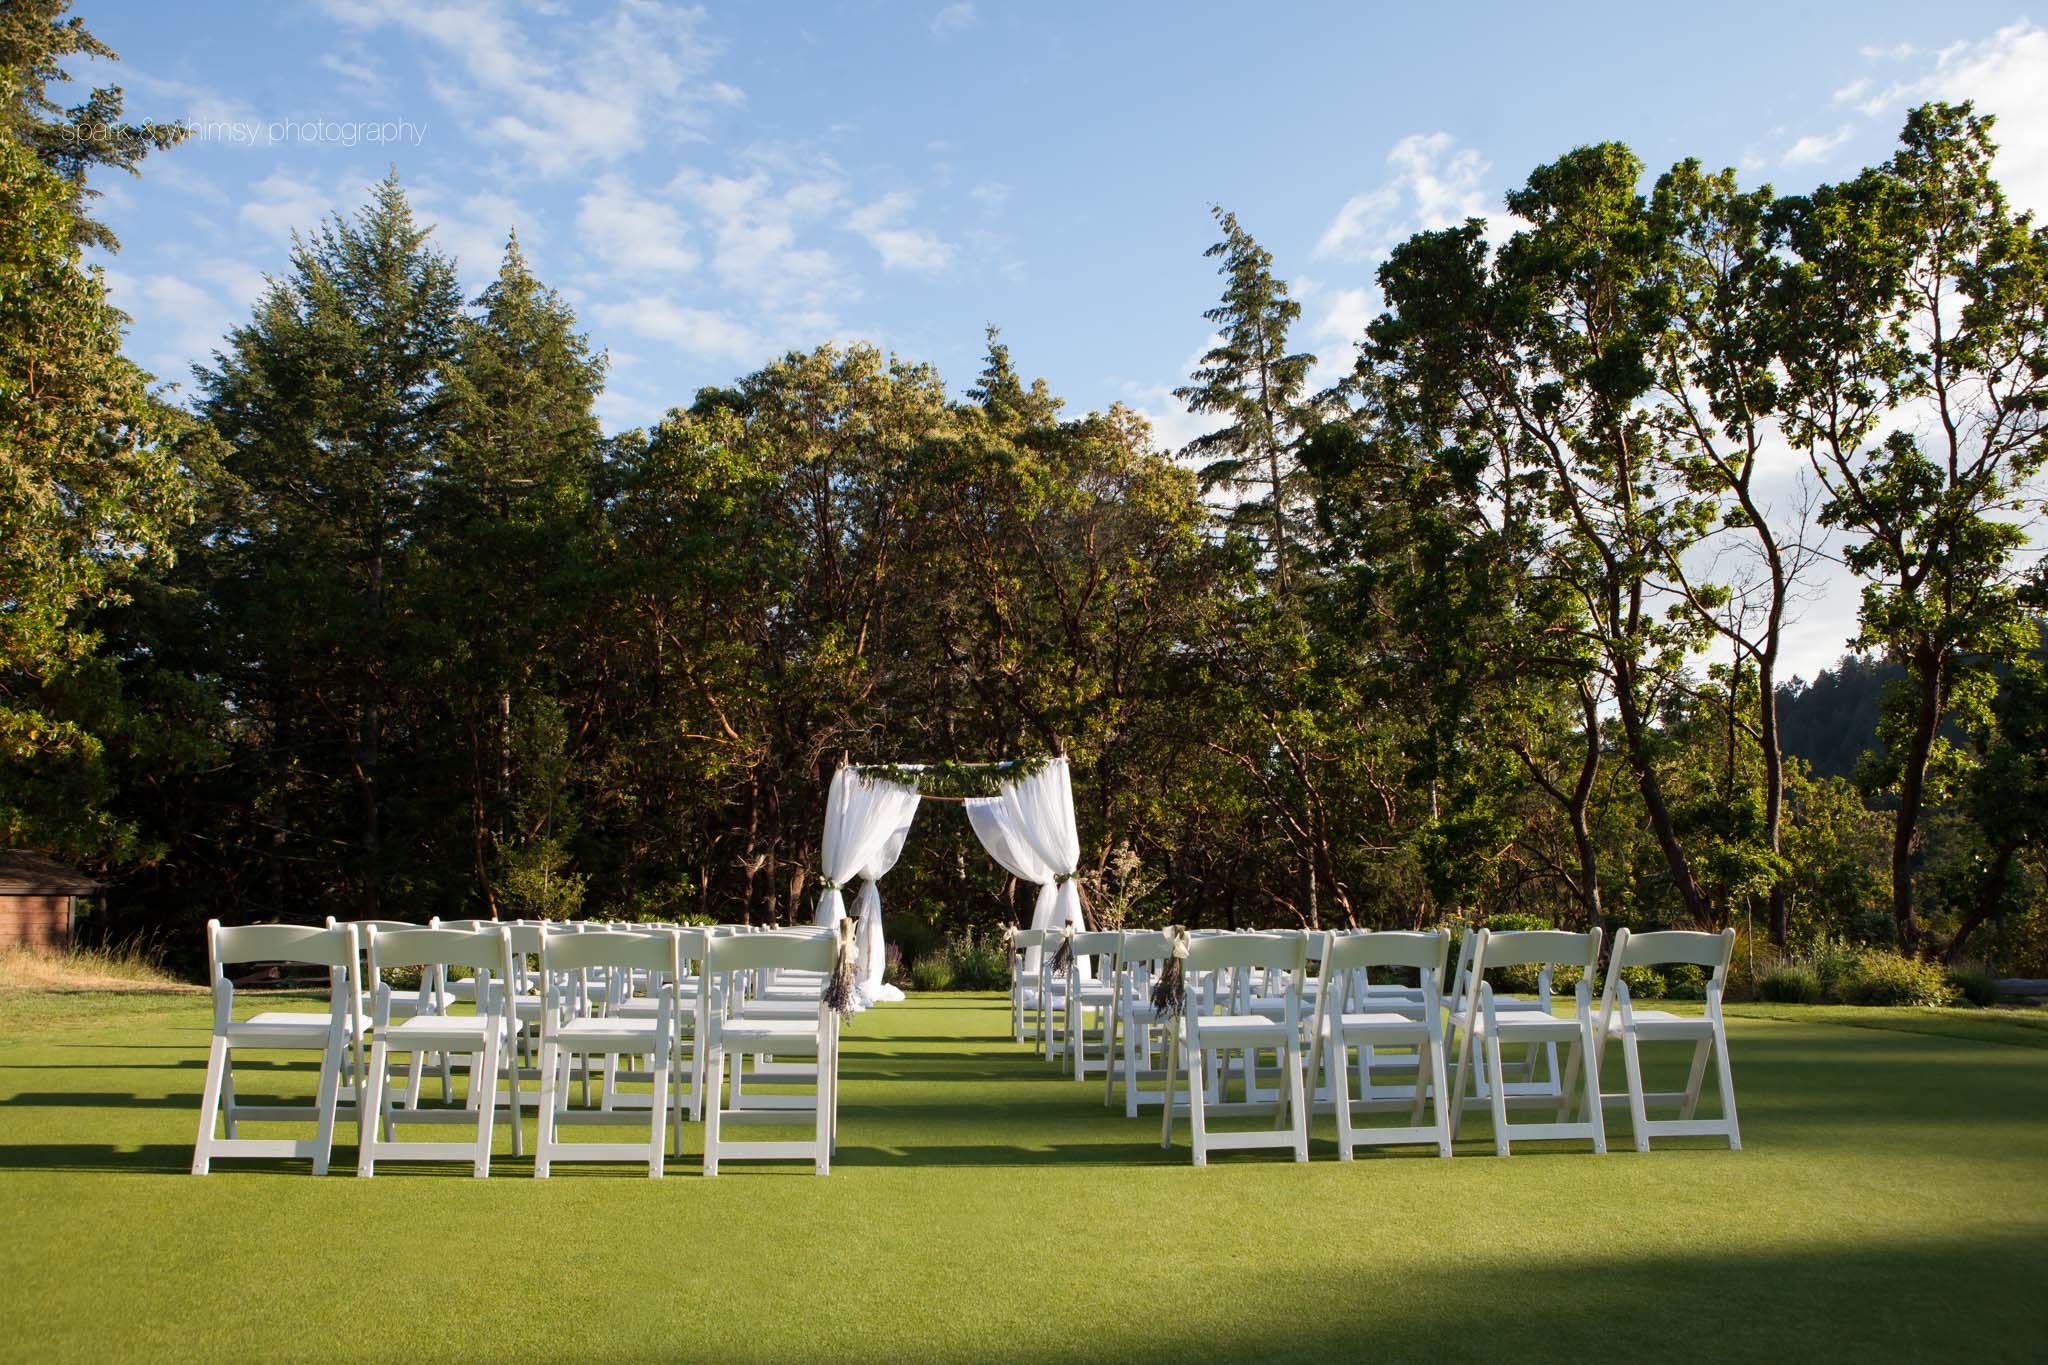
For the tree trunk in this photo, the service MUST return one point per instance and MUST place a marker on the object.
(1989, 893)
(1581, 803)
(1928, 678)
(1636, 741)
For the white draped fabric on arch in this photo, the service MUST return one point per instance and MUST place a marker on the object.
(1027, 827)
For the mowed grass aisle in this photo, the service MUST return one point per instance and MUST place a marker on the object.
(1892, 1203)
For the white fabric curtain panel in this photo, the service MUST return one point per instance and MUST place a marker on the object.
(861, 816)
(996, 826)
(1041, 810)
(867, 909)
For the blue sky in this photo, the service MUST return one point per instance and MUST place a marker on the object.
(713, 185)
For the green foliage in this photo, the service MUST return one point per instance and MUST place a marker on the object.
(39, 48)
(1973, 985)
(1794, 983)
(1882, 976)
(977, 964)
(91, 487)
(932, 973)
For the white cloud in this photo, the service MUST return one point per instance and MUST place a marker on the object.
(638, 72)
(901, 247)
(1435, 184)
(2005, 75)
(284, 203)
(701, 332)
(754, 234)
(1815, 147)
(991, 195)
(354, 70)
(952, 19)
(1852, 92)
(1173, 426)
(630, 232)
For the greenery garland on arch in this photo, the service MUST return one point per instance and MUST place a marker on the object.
(953, 780)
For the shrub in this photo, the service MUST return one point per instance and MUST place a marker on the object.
(1834, 961)
(1521, 980)
(932, 973)
(892, 965)
(1684, 981)
(1973, 985)
(978, 965)
(914, 938)
(1883, 977)
(1794, 983)
(1644, 983)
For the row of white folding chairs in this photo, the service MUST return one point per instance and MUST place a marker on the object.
(486, 1036)
(1248, 995)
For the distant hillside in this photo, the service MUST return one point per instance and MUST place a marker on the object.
(1830, 721)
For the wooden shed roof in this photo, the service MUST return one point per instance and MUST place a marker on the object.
(38, 874)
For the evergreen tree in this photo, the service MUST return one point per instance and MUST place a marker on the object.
(1250, 379)
(333, 406)
(35, 41)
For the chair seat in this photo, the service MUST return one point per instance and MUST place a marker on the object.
(1527, 1025)
(792, 1010)
(1663, 1024)
(1385, 1022)
(778, 1035)
(1237, 1029)
(610, 1031)
(438, 1032)
(286, 1029)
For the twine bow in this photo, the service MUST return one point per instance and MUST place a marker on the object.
(1168, 991)
(1063, 960)
(840, 987)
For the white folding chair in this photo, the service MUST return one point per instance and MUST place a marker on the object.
(1027, 1021)
(483, 1037)
(565, 1036)
(1205, 1034)
(1493, 1030)
(816, 1037)
(1137, 1034)
(1535, 1071)
(629, 998)
(332, 1035)
(1620, 1019)
(424, 999)
(1088, 1000)
(1347, 1017)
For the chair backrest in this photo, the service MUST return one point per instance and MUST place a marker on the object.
(294, 943)
(1672, 946)
(797, 950)
(1538, 947)
(1281, 950)
(571, 951)
(480, 950)
(1424, 951)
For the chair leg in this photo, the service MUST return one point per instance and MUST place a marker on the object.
(1497, 1084)
(657, 1146)
(1458, 1090)
(711, 1085)
(1436, 1082)
(1591, 1080)
(485, 1071)
(1338, 1064)
(327, 1101)
(1638, 1113)
(544, 1142)
(1297, 1101)
(209, 1104)
(369, 1134)
(227, 1098)
(512, 1097)
(1726, 1081)
(1692, 1082)
(1198, 1121)
(1172, 1070)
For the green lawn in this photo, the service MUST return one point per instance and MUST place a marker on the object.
(1891, 1203)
